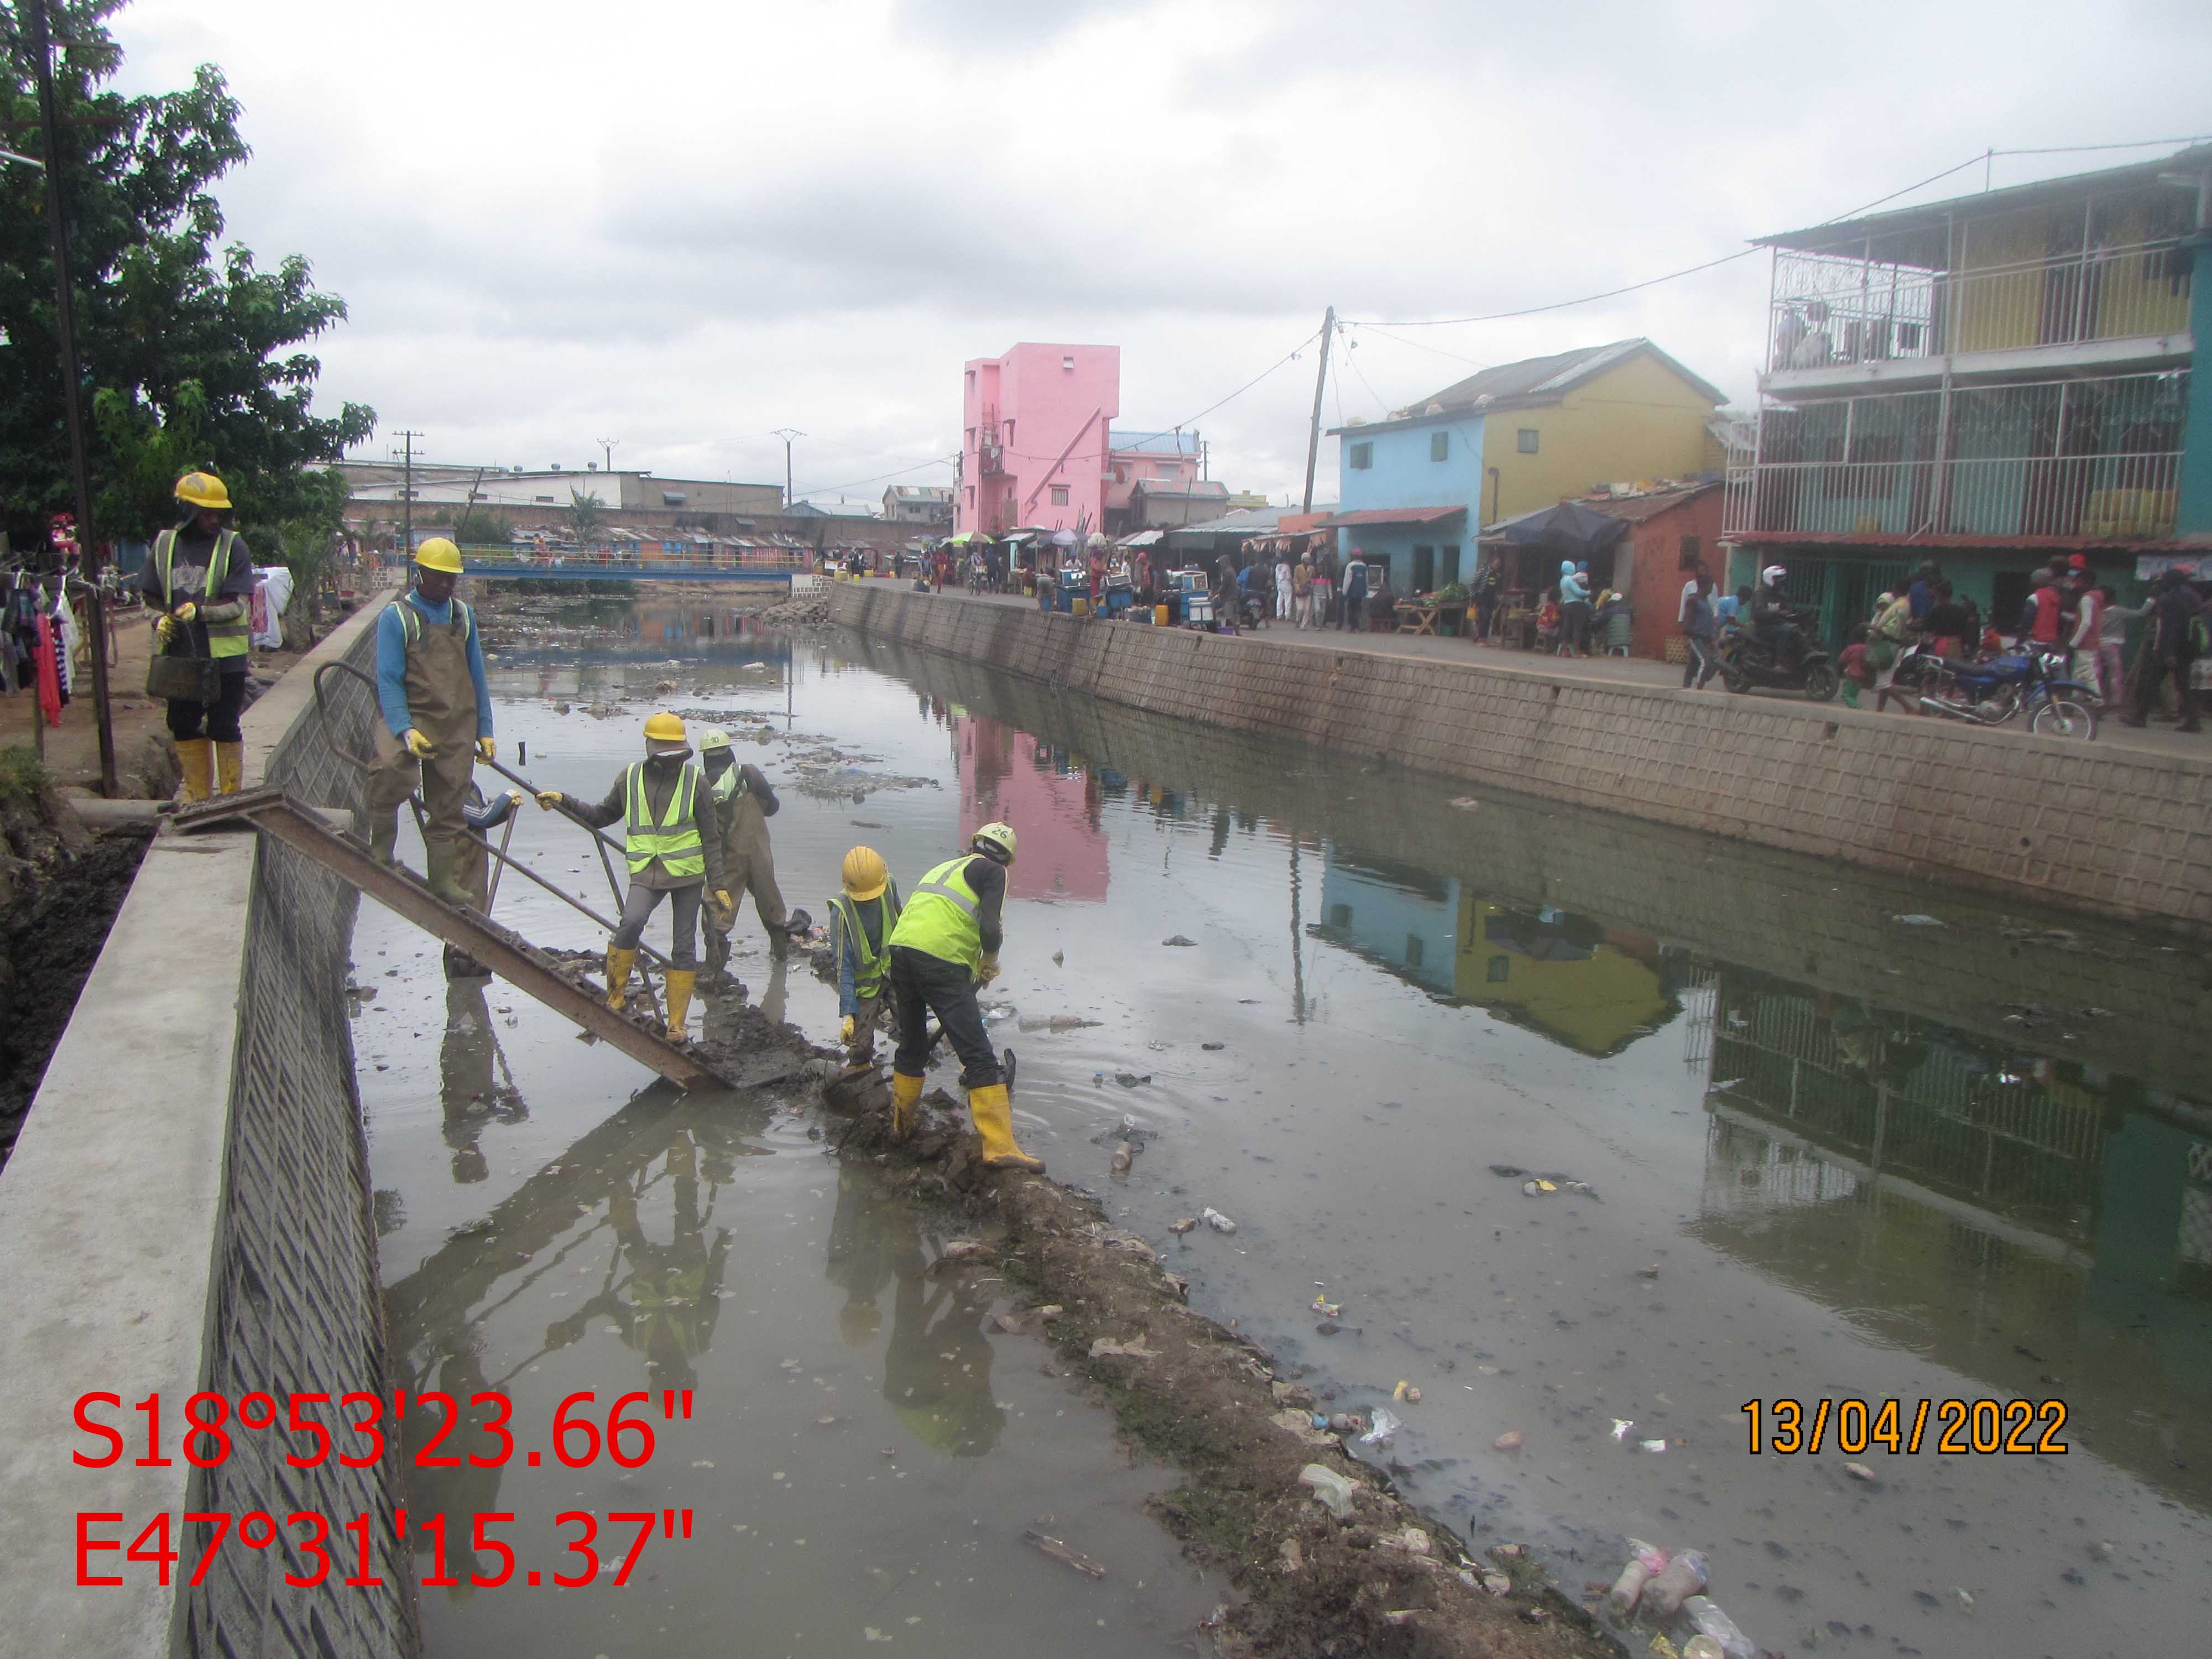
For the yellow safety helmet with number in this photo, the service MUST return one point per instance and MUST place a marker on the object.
(204, 489)
(438, 554)
(713, 737)
(865, 875)
(1001, 835)
(663, 727)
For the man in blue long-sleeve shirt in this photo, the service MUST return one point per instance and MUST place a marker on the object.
(436, 705)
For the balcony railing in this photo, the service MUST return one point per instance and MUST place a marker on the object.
(1829, 310)
(2094, 459)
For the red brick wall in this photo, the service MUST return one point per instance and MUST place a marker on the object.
(1656, 581)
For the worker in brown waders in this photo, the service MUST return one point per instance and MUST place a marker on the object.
(744, 801)
(674, 847)
(437, 705)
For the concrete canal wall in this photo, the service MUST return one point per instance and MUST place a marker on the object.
(2119, 832)
(188, 1208)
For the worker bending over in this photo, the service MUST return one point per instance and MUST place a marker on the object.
(675, 851)
(745, 801)
(945, 947)
(436, 705)
(861, 917)
(200, 578)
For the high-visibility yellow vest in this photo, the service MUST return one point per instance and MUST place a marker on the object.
(225, 639)
(939, 918)
(868, 973)
(675, 840)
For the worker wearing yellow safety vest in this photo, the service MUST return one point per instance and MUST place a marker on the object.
(675, 851)
(861, 917)
(943, 948)
(199, 577)
(435, 708)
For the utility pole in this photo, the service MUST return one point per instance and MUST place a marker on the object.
(72, 392)
(1313, 438)
(607, 447)
(787, 433)
(407, 496)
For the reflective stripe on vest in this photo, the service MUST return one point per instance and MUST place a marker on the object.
(940, 918)
(868, 976)
(675, 840)
(225, 639)
(411, 620)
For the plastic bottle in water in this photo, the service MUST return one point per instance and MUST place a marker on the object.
(1705, 1614)
(1682, 1577)
(1644, 1560)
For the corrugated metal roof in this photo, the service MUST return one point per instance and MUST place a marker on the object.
(1152, 443)
(1545, 380)
(1252, 521)
(1636, 510)
(1391, 515)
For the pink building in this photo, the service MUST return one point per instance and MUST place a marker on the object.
(1034, 437)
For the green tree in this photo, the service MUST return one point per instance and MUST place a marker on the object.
(479, 526)
(190, 351)
(586, 513)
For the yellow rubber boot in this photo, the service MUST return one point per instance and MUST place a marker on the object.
(677, 982)
(906, 1104)
(618, 963)
(197, 757)
(229, 767)
(994, 1114)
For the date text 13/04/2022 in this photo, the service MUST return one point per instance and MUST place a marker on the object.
(353, 1426)
(306, 1537)
(2018, 1428)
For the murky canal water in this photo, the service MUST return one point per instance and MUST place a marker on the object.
(1838, 1138)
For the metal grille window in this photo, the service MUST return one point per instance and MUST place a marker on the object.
(1527, 439)
(1440, 446)
(1362, 457)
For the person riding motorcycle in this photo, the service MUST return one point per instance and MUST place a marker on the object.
(1773, 618)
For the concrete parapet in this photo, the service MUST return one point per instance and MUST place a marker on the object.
(187, 1209)
(2119, 832)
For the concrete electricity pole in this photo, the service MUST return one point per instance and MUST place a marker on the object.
(407, 496)
(1313, 438)
(34, 12)
(787, 433)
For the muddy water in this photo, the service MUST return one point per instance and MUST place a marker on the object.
(864, 1449)
(1834, 1137)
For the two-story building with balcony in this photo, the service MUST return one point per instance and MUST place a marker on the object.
(1034, 425)
(1989, 382)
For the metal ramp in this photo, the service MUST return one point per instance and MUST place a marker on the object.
(506, 952)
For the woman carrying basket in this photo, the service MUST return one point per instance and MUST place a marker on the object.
(200, 579)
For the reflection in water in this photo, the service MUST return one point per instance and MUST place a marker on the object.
(469, 1094)
(1053, 801)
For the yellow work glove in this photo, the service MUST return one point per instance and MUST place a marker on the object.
(548, 799)
(515, 798)
(487, 751)
(166, 629)
(418, 747)
(725, 911)
(845, 1027)
(987, 969)
(187, 611)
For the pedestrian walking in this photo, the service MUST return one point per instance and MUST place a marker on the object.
(1690, 589)
(1324, 587)
(674, 847)
(437, 724)
(1574, 609)
(1302, 582)
(2112, 620)
(2171, 651)
(1353, 620)
(1283, 586)
(1701, 627)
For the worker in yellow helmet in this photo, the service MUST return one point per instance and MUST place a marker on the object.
(944, 949)
(675, 852)
(436, 723)
(199, 580)
(862, 915)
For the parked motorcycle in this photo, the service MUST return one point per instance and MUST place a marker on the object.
(1990, 693)
(1744, 661)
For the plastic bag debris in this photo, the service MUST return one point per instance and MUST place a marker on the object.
(1213, 1218)
(1384, 1430)
(1651, 1445)
(1858, 1471)
(1331, 1490)
(1621, 1425)
(1406, 1393)
(1327, 1310)
(1130, 1079)
(1717, 1627)
(1539, 1187)
(1915, 919)
(1177, 938)
(1134, 1348)
(1183, 1225)
(1346, 1422)
(1702, 1647)
(1509, 1441)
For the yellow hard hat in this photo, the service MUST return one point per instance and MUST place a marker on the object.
(663, 727)
(1001, 835)
(438, 554)
(204, 489)
(713, 737)
(865, 874)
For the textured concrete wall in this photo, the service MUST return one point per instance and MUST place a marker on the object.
(187, 1210)
(1822, 924)
(2120, 832)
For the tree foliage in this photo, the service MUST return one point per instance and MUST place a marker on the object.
(190, 351)
(587, 513)
(479, 526)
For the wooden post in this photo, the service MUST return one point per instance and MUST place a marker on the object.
(1320, 380)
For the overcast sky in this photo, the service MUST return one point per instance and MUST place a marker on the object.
(680, 223)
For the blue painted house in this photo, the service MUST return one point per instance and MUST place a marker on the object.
(1418, 488)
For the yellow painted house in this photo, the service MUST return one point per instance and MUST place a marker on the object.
(1418, 488)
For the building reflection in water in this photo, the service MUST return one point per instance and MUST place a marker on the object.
(1053, 799)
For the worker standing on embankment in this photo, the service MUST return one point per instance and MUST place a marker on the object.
(436, 705)
(200, 577)
(745, 801)
(944, 949)
(675, 852)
